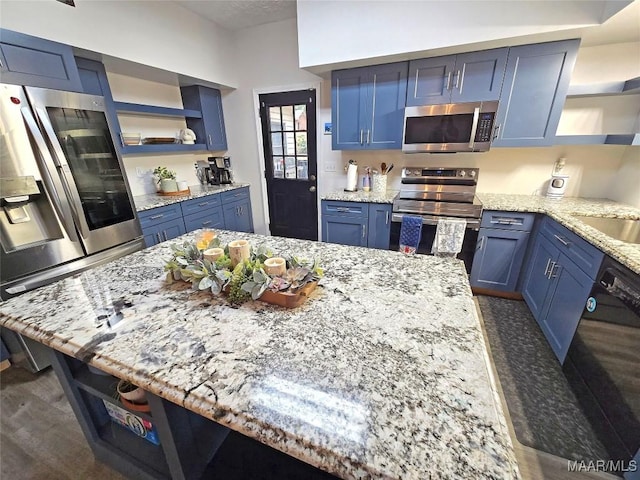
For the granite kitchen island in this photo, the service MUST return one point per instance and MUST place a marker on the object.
(382, 373)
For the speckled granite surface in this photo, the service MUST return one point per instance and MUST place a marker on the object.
(361, 196)
(563, 211)
(152, 200)
(382, 373)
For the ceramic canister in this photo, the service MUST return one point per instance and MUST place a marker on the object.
(557, 186)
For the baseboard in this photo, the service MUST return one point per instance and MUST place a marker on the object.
(496, 293)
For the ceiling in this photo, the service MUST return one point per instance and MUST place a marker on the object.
(239, 14)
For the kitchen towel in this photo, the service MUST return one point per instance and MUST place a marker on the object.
(449, 236)
(410, 233)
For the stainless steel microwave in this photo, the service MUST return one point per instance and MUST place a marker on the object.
(454, 127)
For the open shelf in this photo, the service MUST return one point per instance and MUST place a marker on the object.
(623, 87)
(161, 148)
(139, 109)
(628, 139)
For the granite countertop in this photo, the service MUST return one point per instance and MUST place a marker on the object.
(153, 200)
(382, 373)
(361, 196)
(563, 211)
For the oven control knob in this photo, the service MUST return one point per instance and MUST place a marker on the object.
(463, 173)
(472, 173)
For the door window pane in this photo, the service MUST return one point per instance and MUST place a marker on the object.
(276, 144)
(301, 117)
(289, 143)
(275, 120)
(301, 143)
(290, 167)
(278, 167)
(288, 119)
(303, 168)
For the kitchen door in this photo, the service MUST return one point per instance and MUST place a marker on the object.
(289, 138)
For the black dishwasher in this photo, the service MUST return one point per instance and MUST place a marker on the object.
(603, 361)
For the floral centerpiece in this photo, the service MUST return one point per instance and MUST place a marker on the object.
(242, 281)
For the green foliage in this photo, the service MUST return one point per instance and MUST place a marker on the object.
(164, 173)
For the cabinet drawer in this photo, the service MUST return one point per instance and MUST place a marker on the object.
(350, 209)
(209, 219)
(235, 195)
(200, 205)
(159, 215)
(508, 220)
(582, 253)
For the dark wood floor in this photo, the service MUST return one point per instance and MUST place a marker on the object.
(39, 435)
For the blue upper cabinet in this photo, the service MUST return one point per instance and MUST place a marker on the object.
(535, 86)
(367, 107)
(27, 60)
(210, 127)
(469, 77)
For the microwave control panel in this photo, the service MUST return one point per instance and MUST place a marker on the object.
(485, 125)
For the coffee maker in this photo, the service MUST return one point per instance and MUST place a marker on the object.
(220, 170)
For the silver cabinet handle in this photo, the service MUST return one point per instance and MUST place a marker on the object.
(210, 141)
(342, 209)
(546, 269)
(164, 234)
(206, 223)
(448, 81)
(368, 132)
(155, 217)
(474, 126)
(364, 230)
(241, 209)
(361, 136)
(386, 218)
(496, 131)
(554, 273)
(481, 244)
(552, 265)
(203, 204)
(457, 79)
(562, 240)
(158, 237)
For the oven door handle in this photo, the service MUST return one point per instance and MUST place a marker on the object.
(474, 126)
(428, 220)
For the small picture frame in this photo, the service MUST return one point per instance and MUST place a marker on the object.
(327, 129)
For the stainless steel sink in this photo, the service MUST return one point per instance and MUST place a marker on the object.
(619, 228)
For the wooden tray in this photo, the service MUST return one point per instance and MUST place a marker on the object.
(173, 194)
(289, 300)
(158, 140)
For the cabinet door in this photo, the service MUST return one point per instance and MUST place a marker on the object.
(344, 230)
(36, 62)
(93, 78)
(568, 295)
(379, 226)
(498, 259)
(537, 282)
(478, 75)
(535, 87)
(430, 81)
(238, 216)
(348, 108)
(162, 232)
(209, 129)
(386, 94)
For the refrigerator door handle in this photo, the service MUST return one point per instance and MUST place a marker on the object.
(62, 210)
(66, 176)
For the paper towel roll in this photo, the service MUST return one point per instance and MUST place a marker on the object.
(352, 178)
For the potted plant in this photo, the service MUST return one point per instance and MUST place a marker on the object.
(166, 179)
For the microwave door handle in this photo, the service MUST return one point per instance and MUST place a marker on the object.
(47, 160)
(66, 177)
(474, 126)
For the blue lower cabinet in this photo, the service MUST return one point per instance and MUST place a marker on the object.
(498, 259)
(344, 230)
(379, 225)
(162, 232)
(212, 218)
(537, 282)
(237, 216)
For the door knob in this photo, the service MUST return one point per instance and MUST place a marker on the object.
(312, 188)
(312, 177)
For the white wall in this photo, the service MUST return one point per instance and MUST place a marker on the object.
(266, 59)
(626, 184)
(335, 31)
(160, 34)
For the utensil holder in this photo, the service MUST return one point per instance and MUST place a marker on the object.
(379, 183)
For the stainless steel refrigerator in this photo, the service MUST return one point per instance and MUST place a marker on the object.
(65, 202)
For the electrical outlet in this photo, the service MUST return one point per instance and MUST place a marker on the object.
(141, 172)
(330, 167)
